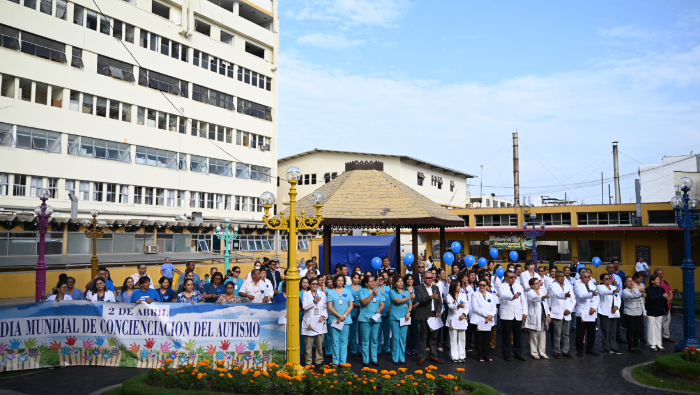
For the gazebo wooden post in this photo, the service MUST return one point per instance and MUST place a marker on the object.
(414, 241)
(398, 248)
(327, 232)
(443, 247)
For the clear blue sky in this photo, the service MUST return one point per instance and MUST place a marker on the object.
(449, 81)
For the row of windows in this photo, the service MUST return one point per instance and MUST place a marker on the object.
(253, 78)
(44, 140)
(435, 181)
(28, 186)
(53, 50)
(103, 107)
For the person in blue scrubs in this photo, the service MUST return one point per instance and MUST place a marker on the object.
(340, 304)
(371, 304)
(400, 310)
(354, 288)
(214, 288)
(236, 280)
(166, 293)
(384, 288)
(144, 293)
(328, 340)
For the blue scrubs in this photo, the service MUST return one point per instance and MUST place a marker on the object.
(340, 302)
(385, 329)
(212, 289)
(353, 327)
(327, 340)
(369, 328)
(398, 313)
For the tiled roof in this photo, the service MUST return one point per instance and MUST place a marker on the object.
(372, 198)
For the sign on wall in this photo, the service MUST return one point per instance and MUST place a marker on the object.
(40, 335)
(510, 242)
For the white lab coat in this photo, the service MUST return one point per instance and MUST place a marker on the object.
(453, 312)
(558, 301)
(309, 307)
(585, 300)
(534, 310)
(607, 300)
(512, 309)
(259, 290)
(481, 307)
(109, 296)
(525, 279)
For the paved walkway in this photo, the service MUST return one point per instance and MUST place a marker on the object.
(588, 375)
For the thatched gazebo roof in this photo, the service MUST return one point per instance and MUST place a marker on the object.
(371, 198)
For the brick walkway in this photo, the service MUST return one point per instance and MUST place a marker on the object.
(588, 375)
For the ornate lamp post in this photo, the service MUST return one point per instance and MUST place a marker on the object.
(226, 236)
(686, 210)
(291, 223)
(43, 211)
(534, 233)
(94, 234)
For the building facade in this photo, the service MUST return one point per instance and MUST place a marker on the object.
(488, 201)
(658, 181)
(142, 109)
(445, 186)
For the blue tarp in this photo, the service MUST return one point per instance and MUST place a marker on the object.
(359, 251)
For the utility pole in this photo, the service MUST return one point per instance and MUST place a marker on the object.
(602, 191)
(618, 198)
(481, 188)
(609, 195)
(516, 171)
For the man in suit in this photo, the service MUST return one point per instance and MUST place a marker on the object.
(429, 305)
(418, 274)
(586, 306)
(273, 275)
(512, 313)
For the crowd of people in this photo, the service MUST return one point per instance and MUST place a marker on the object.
(428, 310)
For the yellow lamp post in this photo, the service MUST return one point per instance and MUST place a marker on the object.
(291, 223)
(94, 234)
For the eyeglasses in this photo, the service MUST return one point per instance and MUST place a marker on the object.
(509, 277)
(585, 277)
(314, 283)
(420, 267)
(482, 285)
(428, 278)
(237, 271)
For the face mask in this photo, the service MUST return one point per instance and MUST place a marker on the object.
(511, 270)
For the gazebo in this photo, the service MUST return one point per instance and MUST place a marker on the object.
(364, 196)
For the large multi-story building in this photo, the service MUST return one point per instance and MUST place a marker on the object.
(142, 109)
(659, 181)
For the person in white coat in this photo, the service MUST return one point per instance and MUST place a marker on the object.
(457, 321)
(586, 305)
(99, 292)
(609, 313)
(562, 303)
(528, 274)
(513, 311)
(538, 319)
(313, 326)
(483, 310)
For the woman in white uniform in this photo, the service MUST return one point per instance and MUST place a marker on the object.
(538, 318)
(457, 315)
(483, 311)
(313, 326)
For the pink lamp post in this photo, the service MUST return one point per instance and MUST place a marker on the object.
(44, 213)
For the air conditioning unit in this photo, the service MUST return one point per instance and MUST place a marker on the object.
(150, 249)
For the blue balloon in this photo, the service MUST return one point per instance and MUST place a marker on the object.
(580, 266)
(482, 262)
(376, 262)
(500, 272)
(596, 261)
(456, 247)
(513, 256)
(469, 260)
(408, 259)
(494, 253)
(448, 258)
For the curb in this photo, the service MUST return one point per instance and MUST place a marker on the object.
(627, 375)
(111, 387)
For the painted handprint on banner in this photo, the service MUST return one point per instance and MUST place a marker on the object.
(30, 343)
(143, 353)
(150, 343)
(88, 343)
(219, 355)
(251, 345)
(55, 345)
(65, 350)
(225, 344)
(177, 344)
(211, 349)
(15, 343)
(165, 347)
(106, 354)
(99, 340)
(190, 344)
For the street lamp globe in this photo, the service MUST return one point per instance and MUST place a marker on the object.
(94, 212)
(693, 203)
(677, 202)
(533, 216)
(524, 225)
(293, 173)
(218, 229)
(268, 198)
(318, 197)
(228, 220)
(87, 223)
(37, 211)
(542, 224)
(235, 229)
(102, 224)
(685, 182)
(43, 193)
(48, 211)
